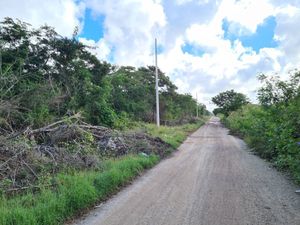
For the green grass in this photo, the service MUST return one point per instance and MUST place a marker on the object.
(77, 191)
(173, 135)
(72, 193)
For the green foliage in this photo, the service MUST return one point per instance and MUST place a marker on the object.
(134, 93)
(44, 76)
(229, 101)
(273, 129)
(174, 135)
(73, 193)
(275, 91)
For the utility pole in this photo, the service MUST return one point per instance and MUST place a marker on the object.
(197, 105)
(156, 86)
(0, 57)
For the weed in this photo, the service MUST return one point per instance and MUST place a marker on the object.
(73, 193)
(173, 135)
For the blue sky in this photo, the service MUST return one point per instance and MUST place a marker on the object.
(93, 26)
(204, 46)
(262, 38)
(93, 29)
(193, 49)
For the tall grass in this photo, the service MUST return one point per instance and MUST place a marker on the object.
(173, 135)
(72, 193)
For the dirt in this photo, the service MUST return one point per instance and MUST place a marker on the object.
(212, 180)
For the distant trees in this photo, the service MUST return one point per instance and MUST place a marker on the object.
(44, 76)
(229, 101)
(133, 93)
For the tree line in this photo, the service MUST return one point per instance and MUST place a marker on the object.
(44, 76)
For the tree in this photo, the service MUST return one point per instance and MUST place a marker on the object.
(275, 91)
(133, 91)
(45, 76)
(229, 101)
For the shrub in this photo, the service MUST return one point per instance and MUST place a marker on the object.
(273, 132)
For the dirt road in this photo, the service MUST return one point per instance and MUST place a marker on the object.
(212, 180)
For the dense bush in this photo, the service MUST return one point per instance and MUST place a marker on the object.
(133, 93)
(44, 76)
(273, 128)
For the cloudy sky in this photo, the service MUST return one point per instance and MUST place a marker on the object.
(205, 46)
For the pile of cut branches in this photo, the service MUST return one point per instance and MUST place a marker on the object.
(30, 158)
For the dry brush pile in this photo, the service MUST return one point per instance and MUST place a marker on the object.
(30, 158)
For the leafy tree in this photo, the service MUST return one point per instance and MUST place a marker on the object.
(217, 111)
(229, 101)
(275, 90)
(45, 76)
(133, 92)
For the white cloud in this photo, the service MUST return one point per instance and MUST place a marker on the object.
(248, 13)
(64, 15)
(206, 35)
(201, 2)
(130, 27)
(100, 48)
(287, 33)
(228, 65)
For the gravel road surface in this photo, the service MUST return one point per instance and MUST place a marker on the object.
(212, 180)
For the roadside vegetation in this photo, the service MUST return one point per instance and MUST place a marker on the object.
(73, 129)
(72, 192)
(272, 127)
(55, 198)
(45, 77)
(174, 135)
